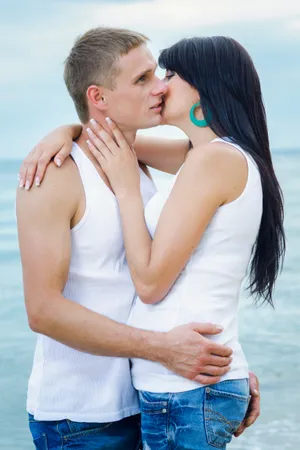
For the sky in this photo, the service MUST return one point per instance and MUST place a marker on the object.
(36, 36)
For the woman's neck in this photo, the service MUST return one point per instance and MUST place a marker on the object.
(198, 136)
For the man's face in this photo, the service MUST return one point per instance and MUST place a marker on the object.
(134, 102)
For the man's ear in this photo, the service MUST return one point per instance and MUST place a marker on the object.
(96, 97)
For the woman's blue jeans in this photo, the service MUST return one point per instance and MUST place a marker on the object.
(204, 418)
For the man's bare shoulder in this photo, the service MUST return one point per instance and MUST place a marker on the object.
(60, 190)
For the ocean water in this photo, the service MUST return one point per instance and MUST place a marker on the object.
(270, 338)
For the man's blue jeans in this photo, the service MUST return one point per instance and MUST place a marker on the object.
(204, 418)
(65, 434)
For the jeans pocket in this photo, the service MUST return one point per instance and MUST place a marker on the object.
(223, 413)
(81, 429)
(151, 405)
(41, 442)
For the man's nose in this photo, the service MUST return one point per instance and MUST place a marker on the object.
(160, 87)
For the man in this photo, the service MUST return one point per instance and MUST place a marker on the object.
(77, 284)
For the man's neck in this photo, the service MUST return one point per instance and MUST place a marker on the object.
(129, 135)
(81, 140)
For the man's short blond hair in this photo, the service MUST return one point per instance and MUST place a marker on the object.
(93, 60)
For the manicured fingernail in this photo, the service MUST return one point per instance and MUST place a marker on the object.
(27, 185)
(255, 391)
(108, 120)
(37, 181)
(21, 184)
(219, 327)
(89, 143)
(93, 122)
(89, 131)
(58, 162)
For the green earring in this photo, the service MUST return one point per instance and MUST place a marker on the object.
(197, 122)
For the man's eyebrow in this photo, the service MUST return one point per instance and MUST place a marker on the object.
(144, 72)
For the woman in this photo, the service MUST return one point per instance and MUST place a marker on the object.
(190, 249)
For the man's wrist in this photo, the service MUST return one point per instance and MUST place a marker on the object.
(151, 345)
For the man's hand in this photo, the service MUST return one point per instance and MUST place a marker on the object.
(194, 356)
(254, 405)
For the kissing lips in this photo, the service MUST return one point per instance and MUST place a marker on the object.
(157, 107)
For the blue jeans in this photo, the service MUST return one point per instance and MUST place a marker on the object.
(204, 418)
(66, 434)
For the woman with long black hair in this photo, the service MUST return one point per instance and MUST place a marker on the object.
(191, 248)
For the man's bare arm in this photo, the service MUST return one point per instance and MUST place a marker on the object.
(44, 218)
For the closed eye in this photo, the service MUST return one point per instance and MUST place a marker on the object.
(169, 75)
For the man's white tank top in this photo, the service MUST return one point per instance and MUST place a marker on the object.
(66, 383)
(208, 288)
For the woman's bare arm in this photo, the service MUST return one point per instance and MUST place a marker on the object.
(162, 154)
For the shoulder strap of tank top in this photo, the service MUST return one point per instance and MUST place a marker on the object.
(85, 166)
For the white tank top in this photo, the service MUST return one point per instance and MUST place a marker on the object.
(208, 288)
(66, 383)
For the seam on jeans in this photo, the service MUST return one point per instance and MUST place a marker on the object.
(169, 442)
(222, 419)
(46, 440)
(219, 393)
(88, 432)
(59, 434)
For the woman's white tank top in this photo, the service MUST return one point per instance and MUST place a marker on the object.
(66, 383)
(208, 289)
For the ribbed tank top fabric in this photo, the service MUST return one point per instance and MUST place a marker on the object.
(208, 289)
(66, 383)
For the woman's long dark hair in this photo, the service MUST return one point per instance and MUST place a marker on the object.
(224, 75)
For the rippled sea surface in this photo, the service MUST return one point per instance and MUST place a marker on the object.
(271, 339)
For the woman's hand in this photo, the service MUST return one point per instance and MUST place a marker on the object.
(56, 144)
(116, 158)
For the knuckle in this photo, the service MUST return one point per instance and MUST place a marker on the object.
(42, 162)
(39, 150)
(200, 362)
(206, 347)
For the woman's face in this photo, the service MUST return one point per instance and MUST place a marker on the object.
(178, 100)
